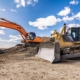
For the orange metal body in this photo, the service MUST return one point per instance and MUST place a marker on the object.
(36, 40)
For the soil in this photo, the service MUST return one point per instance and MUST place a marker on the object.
(18, 63)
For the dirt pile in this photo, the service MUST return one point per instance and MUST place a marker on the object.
(30, 51)
(46, 39)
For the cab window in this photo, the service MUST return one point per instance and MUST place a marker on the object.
(75, 34)
(32, 35)
(69, 32)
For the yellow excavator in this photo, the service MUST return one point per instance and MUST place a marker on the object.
(29, 38)
(62, 45)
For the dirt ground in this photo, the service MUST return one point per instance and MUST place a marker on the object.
(19, 63)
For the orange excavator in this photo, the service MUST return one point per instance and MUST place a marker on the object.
(29, 39)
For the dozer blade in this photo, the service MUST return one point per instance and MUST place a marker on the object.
(49, 51)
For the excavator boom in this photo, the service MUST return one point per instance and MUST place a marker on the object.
(12, 25)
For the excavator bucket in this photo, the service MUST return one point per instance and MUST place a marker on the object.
(49, 51)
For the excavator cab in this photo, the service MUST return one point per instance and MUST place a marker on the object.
(32, 40)
(31, 36)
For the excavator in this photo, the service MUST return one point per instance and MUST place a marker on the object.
(29, 39)
(62, 45)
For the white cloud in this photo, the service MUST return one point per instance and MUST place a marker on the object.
(74, 2)
(13, 10)
(2, 9)
(35, 0)
(73, 25)
(10, 42)
(77, 16)
(17, 6)
(2, 32)
(12, 38)
(2, 27)
(74, 16)
(65, 11)
(51, 31)
(29, 2)
(66, 18)
(16, 1)
(25, 2)
(43, 23)
(20, 3)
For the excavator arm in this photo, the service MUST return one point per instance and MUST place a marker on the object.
(12, 25)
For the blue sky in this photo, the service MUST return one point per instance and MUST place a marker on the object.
(39, 16)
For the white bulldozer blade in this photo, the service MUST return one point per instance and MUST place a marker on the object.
(49, 51)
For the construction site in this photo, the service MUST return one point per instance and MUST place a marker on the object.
(18, 63)
(41, 58)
